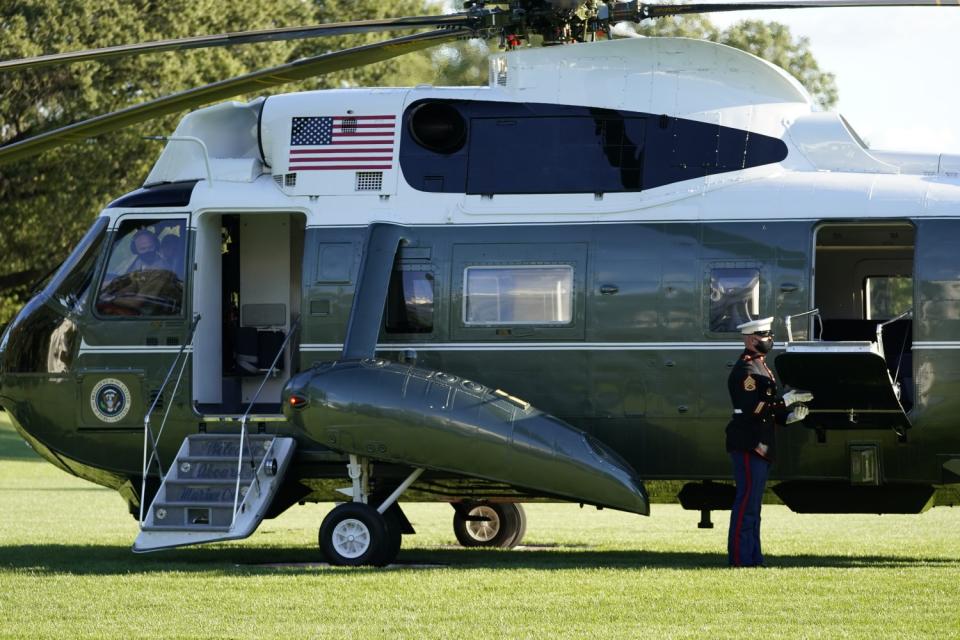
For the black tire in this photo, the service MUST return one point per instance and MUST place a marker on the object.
(394, 539)
(368, 544)
(521, 525)
(499, 530)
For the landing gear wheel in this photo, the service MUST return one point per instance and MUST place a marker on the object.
(489, 524)
(521, 525)
(355, 534)
(394, 537)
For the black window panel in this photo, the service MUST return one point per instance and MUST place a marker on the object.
(168, 194)
(515, 148)
(410, 302)
(556, 155)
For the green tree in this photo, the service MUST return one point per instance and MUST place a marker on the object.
(771, 41)
(47, 202)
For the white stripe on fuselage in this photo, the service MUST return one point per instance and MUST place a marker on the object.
(537, 346)
(498, 346)
(578, 346)
(130, 348)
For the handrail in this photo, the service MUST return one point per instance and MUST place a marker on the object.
(905, 314)
(147, 431)
(244, 440)
(787, 321)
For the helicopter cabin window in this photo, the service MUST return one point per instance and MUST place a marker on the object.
(410, 302)
(518, 295)
(734, 298)
(145, 272)
(887, 296)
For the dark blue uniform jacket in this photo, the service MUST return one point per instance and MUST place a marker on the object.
(757, 405)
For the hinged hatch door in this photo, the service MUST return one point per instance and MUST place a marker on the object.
(850, 382)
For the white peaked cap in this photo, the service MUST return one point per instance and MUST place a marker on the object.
(761, 324)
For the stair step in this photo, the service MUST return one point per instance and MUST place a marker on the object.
(227, 448)
(215, 469)
(205, 482)
(170, 504)
(246, 475)
(191, 509)
(180, 517)
(229, 436)
(193, 527)
(238, 418)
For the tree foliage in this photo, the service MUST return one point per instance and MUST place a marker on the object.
(771, 41)
(48, 201)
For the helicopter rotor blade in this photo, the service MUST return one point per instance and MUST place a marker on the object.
(647, 11)
(223, 89)
(471, 19)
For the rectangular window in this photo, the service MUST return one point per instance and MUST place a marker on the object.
(410, 302)
(518, 295)
(887, 296)
(145, 273)
(734, 298)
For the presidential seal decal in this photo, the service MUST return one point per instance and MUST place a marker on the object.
(110, 400)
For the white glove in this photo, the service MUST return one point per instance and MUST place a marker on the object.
(799, 413)
(792, 397)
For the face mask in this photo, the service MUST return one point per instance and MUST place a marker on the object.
(764, 345)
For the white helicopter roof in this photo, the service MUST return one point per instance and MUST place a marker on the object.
(673, 76)
(678, 77)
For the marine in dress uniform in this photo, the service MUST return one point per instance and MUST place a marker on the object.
(751, 443)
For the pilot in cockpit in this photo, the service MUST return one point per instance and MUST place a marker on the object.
(146, 251)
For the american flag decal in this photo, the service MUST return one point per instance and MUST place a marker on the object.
(336, 143)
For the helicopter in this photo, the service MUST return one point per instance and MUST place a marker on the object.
(492, 295)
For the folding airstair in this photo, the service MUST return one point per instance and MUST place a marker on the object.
(219, 487)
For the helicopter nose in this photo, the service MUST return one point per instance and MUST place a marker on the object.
(4, 336)
(4, 330)
(3, 347)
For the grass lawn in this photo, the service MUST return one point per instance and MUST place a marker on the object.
(66, 570)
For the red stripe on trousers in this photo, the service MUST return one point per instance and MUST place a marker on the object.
(743, 508)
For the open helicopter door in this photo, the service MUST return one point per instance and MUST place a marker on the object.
(247, 289)
(853, 352)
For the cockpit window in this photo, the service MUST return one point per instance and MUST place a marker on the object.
(144, 275)
(71, 284)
